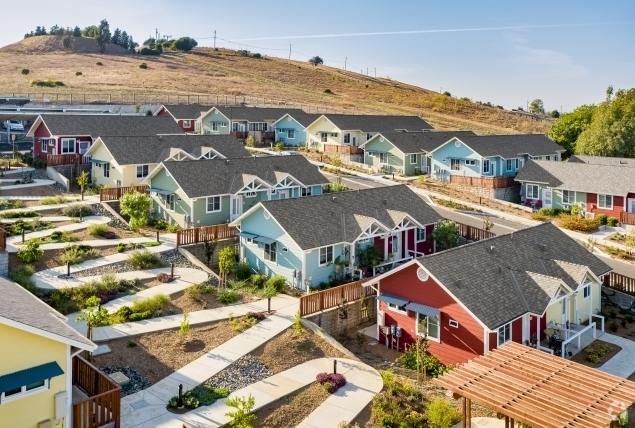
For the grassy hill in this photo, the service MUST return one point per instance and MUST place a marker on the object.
(223, 72)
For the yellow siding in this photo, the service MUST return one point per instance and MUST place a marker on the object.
(554, 313)
(130, 175)
(26, 350)
(323, 125)
(97, 172)
(589, 305)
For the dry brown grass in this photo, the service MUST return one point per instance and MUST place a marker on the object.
(208, 72)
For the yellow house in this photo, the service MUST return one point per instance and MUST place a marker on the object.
(36, 361)
(127, 161)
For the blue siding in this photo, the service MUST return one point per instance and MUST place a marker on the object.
(441, 161)
(316, 273)
(282, 135)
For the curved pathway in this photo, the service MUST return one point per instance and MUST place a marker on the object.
(36, 183)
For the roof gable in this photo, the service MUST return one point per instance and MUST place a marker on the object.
(511, 146)
(109, 125)
(186, 111)
(418, 142)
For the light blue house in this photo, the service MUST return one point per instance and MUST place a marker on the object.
(490, 156)
(336, 237)
(291, 128)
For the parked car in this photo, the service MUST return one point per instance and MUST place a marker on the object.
(14, 125)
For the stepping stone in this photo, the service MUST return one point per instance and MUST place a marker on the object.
(139, 404)
(119, 378)
(101, 349)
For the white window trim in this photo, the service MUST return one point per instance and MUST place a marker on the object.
(383, 155)
(454, 323)
(308, 191)
(605, 207)
(220, 204)
(106, 170)
(417, 240)
(24, 392)
(264, 253)
(509, 165)
(394, 308)
(527, 191)
(327, 262)
(434, 339)
(584, 291)
(413, 156)
(168, 205)
(455, 162)
(568, 203)
(498, 342)
(44, 145)
(74, 140)
(470, 162)
(140, 171)
(187, 123)
(291, 134)
(489, 166)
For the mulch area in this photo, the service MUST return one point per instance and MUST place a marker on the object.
(627, 332)
(289, 411)
(580, 357)
(288, 350)
(158, 355)
(182, 302)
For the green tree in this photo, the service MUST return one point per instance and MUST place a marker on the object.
(90, 31)
(569, 127)
(132, 45)
(115, 39)
(446, 234)
(226, 261)
(612, 129)
(56, 30)
(185, 44)
(554, 113)
(537, 106)
(241, 417)
(68, 41)
(93, 314)
(77, 32)
(136, 205)
(316, 60)
(124, 41)
(102, 35)
(82, 182)
(151, 43)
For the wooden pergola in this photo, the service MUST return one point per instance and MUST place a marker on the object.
(532, 387)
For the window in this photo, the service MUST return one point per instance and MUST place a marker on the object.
(455, 164)
(486, 166)
(334, 134)
(509, 164)
(547, 157)
(106, 170)
(413, 158)
(504, 334)
(470, 162)
(383, 157)
(586, 291)
(568, 197)
(169, 201)
(234, 127)
(214, 126)
(270, 252)
(605, 201)
(396, 308)
(421, 235)
(326, 255)
(24, 390)
(291, 133)
(555, 158)
(306, 191)
(369, 136)
(428, 326)
(324, 136)
(142, 171)
(68, 145)
(347, 138)
(213, 204)
(516, 163)
(83, 147)
(533, 191)
(45, 144)
(187, 123)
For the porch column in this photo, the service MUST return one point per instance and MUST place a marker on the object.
(386, 236)
(405, 245)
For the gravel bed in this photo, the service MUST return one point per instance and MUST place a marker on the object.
(137, 381)
(245, 371)
(98, 209)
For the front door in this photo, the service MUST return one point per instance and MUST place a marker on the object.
(236, 207)
(546, 198)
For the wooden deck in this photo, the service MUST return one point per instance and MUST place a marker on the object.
(205, 233)
(619, 282)
(103, 405)
(344, 150)
(327, 299)
(485, 182)
(69, 159)
(115, 193)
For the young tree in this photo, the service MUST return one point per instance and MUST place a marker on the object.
(226, 261)
(82, 182)
(77, 32)
(185, 44)
(210, 248)
(116, 37)
(316, 60)
(629, 240)
(136, 205)
(93, 314)
(102, 35)
(446, 234)
(537, 106)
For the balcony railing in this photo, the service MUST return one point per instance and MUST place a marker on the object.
(627, 218)
(103, 405)
(68, 159)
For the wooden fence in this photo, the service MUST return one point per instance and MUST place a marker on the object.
(103, 405)
(485, 182)
(205, 233)
(69, 159)
(474, 233)
(618, 282)
(327, 299)
(344, 150)
(3, 238)
(115, 193)
(627, 218)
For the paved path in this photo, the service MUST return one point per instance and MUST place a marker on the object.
(36, 183)
(88, 200)
(622, 364)
(97, 243)
(53, 219)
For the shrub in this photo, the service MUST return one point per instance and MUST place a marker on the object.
(184, 328)
(432, 364)
(144, 259)
(297, 325)
(109, 235)
(242, 416)
(329, 387)
(53, 200)
(75, 254)
(150, 304)
(613, 326)
(78, 73)
(75, 210)
(47, 83)
(158, 223)
(97, 230)
(241, 324)
(30, 252)
(243, 271)
(140, 316)
(25, 71)
(63, 236)
(202, 395)
(250, 141)
(121, 247)
(327, 91)
(441, 414)
(22, 275)
(572, 222)
(601, 218)
(279, 146)
(184, 44)
(20, 214)
(257, 279)
(99, 63)
(259, 316)
(172, 228)
(164, 278)
(278, 282)
(194, 291)
(143, 65)
(227, 297)
(611, 222)
(147, 51)
(124, 313)
(136, 205)
(629, 318)
(132, 344)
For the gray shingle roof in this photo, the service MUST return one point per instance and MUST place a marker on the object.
(417, 142)
(377, 123)
(258, 114)
(219, 177)
(155, 149)
(582, 177)
(511, 146)
(100, 125)
(187, 111)
(331, 218)
(19, 305)
(304, 119)
(602, 160)
(502, 278)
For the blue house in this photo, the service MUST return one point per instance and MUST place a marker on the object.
(337, 236)
(489, 156)
(291, 128)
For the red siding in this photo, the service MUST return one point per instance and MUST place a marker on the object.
(592, 205)
(163, 112)
(78, 140)
(41, 132)
(188, 128)
(493, 341)
(517, 330)
(458, 345)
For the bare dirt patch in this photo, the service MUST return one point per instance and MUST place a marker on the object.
(32, 191)
(158, 355)
(289, 411)
(581, 357)
(182, 302)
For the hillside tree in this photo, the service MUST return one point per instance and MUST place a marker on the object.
(316, 60)
(184, 44)
(116, 37)
(151, 43)
(537, 106)
(77, 32)
(56, 30)
(132, 45)
(554, 113)
(102, 35)
(89, 31)
(68, 41)
(569, 126)
(123, 40)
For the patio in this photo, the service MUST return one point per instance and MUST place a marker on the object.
(570, 341)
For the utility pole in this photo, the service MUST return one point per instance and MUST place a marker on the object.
(366, 71)
(214, 39)
(289, 51)
(156, 34)
(345, 59)
(375, 72)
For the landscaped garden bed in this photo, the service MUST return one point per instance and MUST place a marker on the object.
(620, 322)
(596, 354)
(289, 411)
(56, 258)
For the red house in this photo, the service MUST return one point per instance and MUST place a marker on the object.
(185, 115)
(471, 299)
(64, 138)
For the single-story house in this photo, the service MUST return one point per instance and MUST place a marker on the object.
(216, 191)
(490, 155)
(405, 152)
(291, 129)
(72, 135)
(471, 299)
(127, 161)
(602, 160)
(186, 115)
(353, 130)
(36, 366)
(351, 234)
(596, 188)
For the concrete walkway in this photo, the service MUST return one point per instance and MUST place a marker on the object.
(52, 219)
(622, 364)
(96, 243)
(36, 183)
(484, 423)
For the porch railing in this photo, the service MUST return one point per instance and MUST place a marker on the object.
(485, 182)
(3, 238)
(344, 150)
(627, 218)
(327, 299)
(474, 233)
(619, 282)
(67, 159)
(115, 193)
(103, 405)
(205, 233)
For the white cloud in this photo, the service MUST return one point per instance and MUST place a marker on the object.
(547, 62)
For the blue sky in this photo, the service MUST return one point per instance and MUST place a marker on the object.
(565, 52)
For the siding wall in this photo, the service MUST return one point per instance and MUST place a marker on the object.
(214, 116)
(130, 174)
(450, 151)
(394, 157)
(40, 132)
(181, 207)
(300, 134)
(618, 205)
(29, 350)
(97, 172)
(323, 125)
(208, 219)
